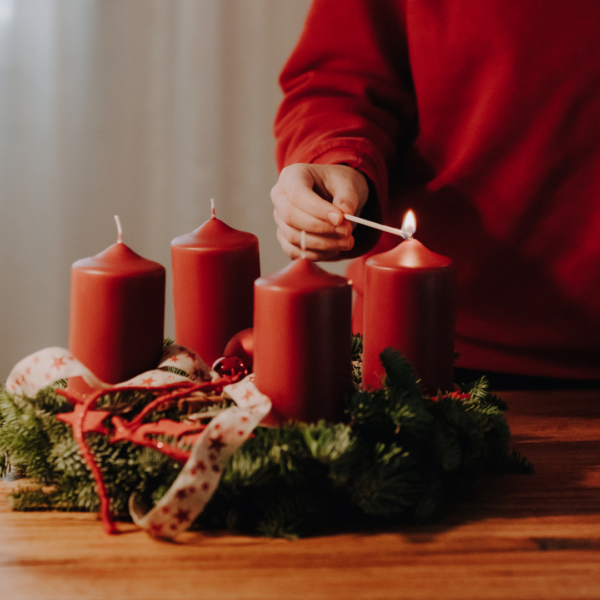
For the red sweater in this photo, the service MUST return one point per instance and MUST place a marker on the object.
(484, 117)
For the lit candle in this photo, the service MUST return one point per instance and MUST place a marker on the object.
(117, 311)
(410, 306)
(302, 341)
(214, 269)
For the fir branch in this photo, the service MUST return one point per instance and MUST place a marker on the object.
(357, 347)
(513, 462)
(400, 376)
(31, 499)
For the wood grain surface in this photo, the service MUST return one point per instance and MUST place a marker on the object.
(522, 537)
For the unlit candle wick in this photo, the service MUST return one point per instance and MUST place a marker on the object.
(119, 230)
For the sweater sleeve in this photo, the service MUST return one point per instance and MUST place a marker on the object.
(348, 96)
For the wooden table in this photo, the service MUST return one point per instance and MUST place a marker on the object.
(524, 536)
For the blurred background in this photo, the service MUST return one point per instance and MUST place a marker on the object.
(142, 108)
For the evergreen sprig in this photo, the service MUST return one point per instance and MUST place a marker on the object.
(399, 456)
(36, 445)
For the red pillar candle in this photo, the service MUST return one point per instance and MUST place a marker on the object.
(214, 269)
(117, 313)
(410, 306)
(302, 341)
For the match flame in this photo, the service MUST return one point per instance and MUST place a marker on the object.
(409, 225)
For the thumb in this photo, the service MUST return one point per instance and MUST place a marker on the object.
(351, 191)
(346, 198)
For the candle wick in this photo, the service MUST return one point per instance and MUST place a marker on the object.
(303, 244)
(409, 225)
(119, 230)
(212, 207)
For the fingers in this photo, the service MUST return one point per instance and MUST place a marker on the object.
(314, 199)
(302, 215)
(306, 188)
(301, 219)
(294, 251)
(318, 243)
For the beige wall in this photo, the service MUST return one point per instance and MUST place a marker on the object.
(142, 108)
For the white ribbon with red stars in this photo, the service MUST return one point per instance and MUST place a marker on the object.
(200, 476)
(44, 367)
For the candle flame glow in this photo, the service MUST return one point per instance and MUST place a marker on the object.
(409, 225)
(119, 230)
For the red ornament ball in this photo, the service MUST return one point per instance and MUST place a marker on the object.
(241, 345)
(230, 366)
